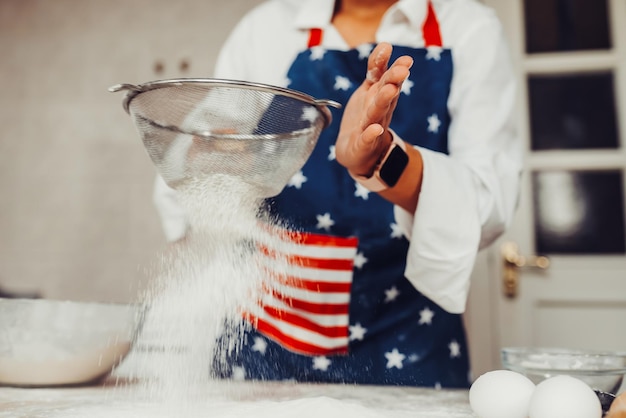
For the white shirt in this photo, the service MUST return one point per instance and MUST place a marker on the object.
(469, 196)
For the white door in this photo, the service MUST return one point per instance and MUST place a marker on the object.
(571, 64)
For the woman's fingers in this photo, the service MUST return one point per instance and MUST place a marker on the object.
(380, 105)
(385, 92)
(618, 408)
(364, 134)
(377, 66)
(377, 62)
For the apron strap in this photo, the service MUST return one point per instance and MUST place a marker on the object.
(315, 37)
(430, 28)
(430, 31)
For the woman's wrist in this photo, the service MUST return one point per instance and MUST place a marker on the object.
(405, 193)
(388, 168)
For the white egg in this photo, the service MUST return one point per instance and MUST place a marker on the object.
(564, 397)
(501, 394)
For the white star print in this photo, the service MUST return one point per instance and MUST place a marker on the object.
(413, 358)
(364, 50)
(239, 373)
(324, 221)
(361, 191)
(426, 316)
(357, 332)
(331, 153)
(396, 232)
(317, 53)
(260, 345)
(297, 180)
(342, 83)
(359, 260)
(394, 359)
(455, 349)
(286, 82)
(433, 53)
(437, 386)
(391, 294)
(407, 85)
(321, 363)
(309, 114)
(433, 123)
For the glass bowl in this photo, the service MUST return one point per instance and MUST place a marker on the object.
(602, 370)
(57, 343)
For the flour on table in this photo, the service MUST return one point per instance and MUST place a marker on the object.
(243, 400)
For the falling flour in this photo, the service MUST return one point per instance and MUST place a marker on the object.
(201, 288)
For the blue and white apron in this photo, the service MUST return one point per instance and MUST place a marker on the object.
(352, 316)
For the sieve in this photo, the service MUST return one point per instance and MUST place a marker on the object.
(195, 128)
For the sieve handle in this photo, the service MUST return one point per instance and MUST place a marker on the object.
(132, 91)
(327, 102)
(120, 87)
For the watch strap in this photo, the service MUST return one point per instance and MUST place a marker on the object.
(375, 183)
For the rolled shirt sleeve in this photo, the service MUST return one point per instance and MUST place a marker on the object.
(444, 234)
(468, 197)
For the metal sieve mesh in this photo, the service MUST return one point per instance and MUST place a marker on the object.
(193, 128)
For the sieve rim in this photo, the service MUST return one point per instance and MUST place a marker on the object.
(134, 90)
(233, 136)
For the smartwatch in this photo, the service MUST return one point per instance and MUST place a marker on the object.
(388, 171)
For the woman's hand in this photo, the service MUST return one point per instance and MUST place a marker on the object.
(618, 408)
(363, 134)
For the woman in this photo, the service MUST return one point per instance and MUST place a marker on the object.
(417, 173)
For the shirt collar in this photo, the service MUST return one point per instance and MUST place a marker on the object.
(414, 11)
(318, 13)
(314, 14)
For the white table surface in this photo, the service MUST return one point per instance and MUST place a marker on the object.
(234, 399)
(287, 400)
(122, 396)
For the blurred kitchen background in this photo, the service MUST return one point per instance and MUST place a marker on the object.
(76, 213)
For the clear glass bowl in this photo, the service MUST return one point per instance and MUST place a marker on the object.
(55, 343)
(601, 370)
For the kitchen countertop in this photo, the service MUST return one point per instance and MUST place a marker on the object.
(123, 396)
(126, 399)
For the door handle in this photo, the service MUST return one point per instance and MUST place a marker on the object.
(512, 262)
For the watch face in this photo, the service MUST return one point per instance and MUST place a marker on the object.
(394, 166)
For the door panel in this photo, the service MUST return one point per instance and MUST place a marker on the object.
(572, 25)
(578, 212)
(570, 58)
(572, 111)
(592, 316)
